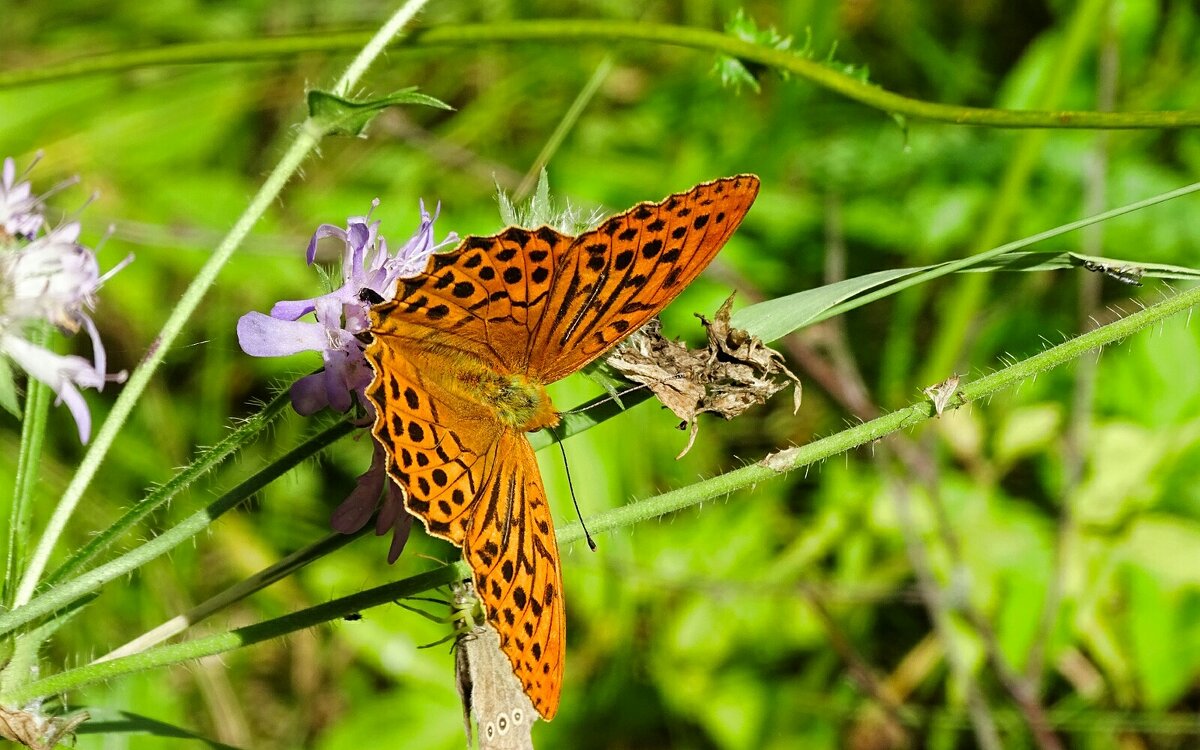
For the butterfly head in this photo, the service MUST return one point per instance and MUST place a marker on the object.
(370, 296)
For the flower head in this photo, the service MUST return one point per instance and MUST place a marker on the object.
(48, 276)
(341, 314)
(369, 272)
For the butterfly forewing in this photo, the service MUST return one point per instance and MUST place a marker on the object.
(488, 292)
(613, 279)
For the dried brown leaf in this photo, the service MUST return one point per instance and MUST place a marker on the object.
(734, 372)
(35, 730)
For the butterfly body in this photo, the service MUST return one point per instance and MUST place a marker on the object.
(461, 359)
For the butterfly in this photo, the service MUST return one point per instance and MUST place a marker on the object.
(489, 690)
(461, 358)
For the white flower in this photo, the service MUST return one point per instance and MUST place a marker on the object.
(20, 210)
(48, 277)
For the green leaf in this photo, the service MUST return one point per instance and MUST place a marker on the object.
(338, 116)
(539, 205)
(538, 210)
(778, 317)
(508, 211)
(732, 71)
(8, 389)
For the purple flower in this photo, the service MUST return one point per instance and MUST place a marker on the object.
(49, 277)
(339, 316)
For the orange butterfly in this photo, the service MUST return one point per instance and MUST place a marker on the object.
(461, 358)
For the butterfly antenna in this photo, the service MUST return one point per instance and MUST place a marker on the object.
(575, 501)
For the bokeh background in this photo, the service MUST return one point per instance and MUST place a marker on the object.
(1059, 522)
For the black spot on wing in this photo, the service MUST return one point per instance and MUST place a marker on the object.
(517, 235)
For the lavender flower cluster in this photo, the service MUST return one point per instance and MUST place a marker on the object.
(46, 275)
(370, 272)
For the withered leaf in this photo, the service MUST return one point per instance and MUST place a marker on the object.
(941, 393)
(734, 372)
(34, 730)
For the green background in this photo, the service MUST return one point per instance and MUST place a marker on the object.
(1069, 508)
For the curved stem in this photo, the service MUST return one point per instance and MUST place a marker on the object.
(307, 138)
(123, 406)
(554, 31)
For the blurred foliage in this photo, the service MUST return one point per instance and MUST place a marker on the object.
(1066, 515)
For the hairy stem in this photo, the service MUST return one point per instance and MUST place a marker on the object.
(573, 32)
(790, 459)
(210, 459)
(65, 593)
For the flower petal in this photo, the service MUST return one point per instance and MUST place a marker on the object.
(70, 395)
(292, 309)
(63, 373)
(308, 394)
(337, 380)
(263, 336)
(356, 509)
(402, 526)
(325, 230)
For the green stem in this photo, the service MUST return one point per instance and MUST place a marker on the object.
(209, 460)
(241, 637)
(790, 459)
(572, 32)
(307, 138)
(63, 594)
(375, 46)
(33, 435)
(235, 593)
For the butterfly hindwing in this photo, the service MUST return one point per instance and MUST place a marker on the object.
(490, 691)
(514, 560)
(611, 280)
(475, 483)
